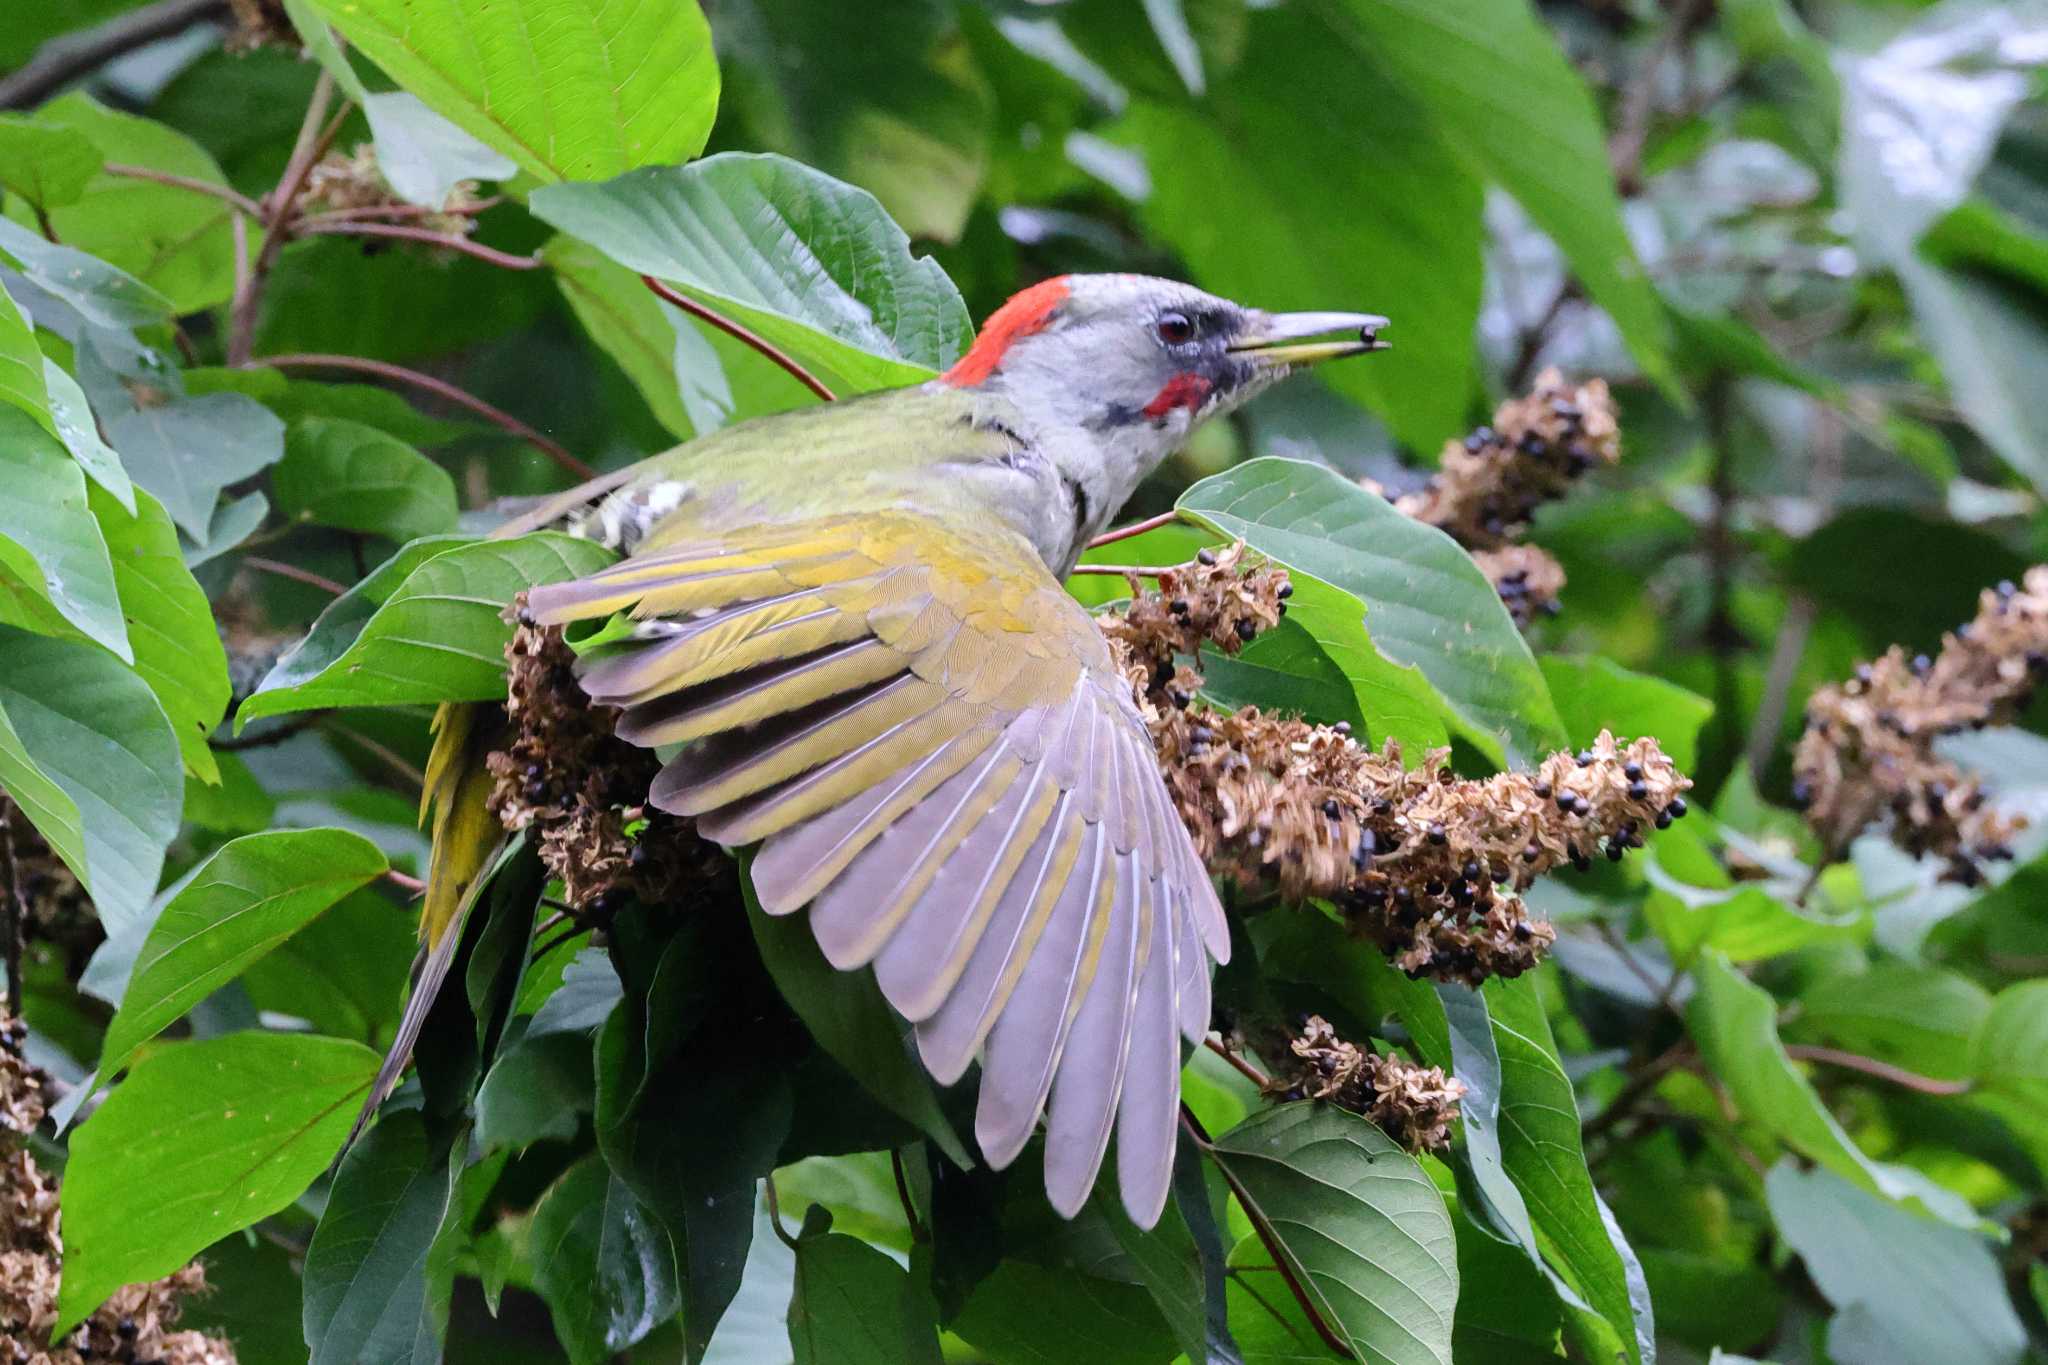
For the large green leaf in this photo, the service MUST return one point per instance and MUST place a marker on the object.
(602, 1261)
(341, 473)
(2010, 1052)
(48, 806)
(187, 450)
(845, 1012)
(95, 730)
(1427, 605)
(365, 1276)
(101, 294)
(53, 558)
(884, 96)
(1357, 1222)
(439, 636)
(1488, 78)
(79, 430)
(22, 384)
(250, 896)
(569, 90)
(175, 241)
(178, 650)
(811, 264)
(1921, 1018)
(1303, 182)
(46, 165)
(200, 1141)
(1906, 1290)
(853, 1305)
(1735, 1024)
(1540, 1146)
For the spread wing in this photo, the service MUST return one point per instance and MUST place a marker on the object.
(931, 744)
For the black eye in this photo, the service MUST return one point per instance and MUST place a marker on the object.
(1176, 329)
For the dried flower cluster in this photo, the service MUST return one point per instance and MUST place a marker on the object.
(1429, 865)
(1414, 1105)
(260, 23)
(565, 774)
(1489, 485)
(136, 1326)
(1868, 750)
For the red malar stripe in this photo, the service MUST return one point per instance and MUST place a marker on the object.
(1185, 390)
(1025, 313)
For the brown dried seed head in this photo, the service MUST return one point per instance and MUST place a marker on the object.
(1528, 580)
(1224, 603)
(1868, 751)
(1414, 1105)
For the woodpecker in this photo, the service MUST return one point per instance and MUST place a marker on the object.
(851, 618)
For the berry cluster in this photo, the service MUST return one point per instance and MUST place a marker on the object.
(1414, 1105)
(1222, 597)
(562, 772)
(1868, 750)
(134, 1327)
(1488, 486)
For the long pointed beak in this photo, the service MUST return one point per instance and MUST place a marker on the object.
(1282, 338)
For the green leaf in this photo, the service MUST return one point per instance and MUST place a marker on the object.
(602, 1262)
(1883, 1268)
(845, 1012)
(365, 1276)
(1595, 694)
(1540, 1146)
(852, 1305)
(102, 294)
(48, 806)
(423, 156)
(535, 1090)
(1921, 1018)
(250, 896)
(22, 384)
(48, 166)
(177, 242)
(340, 624)
(200, 1141)
(1167, 1263)
(1358, 1223)
(1428, 605)
(187, 450)
(885, 96)
(2010, 1052)
(628, 324)
(1979, 235)
(1302, 182)
(94, 729)
(77, 428)
(345, 973)
(1735, 1025)
(178, 649)
(811, 264)
(53, 558)
(438, 636)
(345, 474)
(1489, 79)
(567, 90)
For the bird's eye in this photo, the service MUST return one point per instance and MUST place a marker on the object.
(1176, 329)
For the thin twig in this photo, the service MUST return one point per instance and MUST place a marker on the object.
(383, 753)
(917, 1232)
(568, 932)
(411, 885)
(275, 735)
(1535, 334)
(1871, 1066)
(441, 388)
(186, 182)
(1244, 1068)
(447, 241)
(1136, 528)
(362, 212)
(278, 208)
(775, 1211)
(16, 914)
(1614, 940)
(1128, 570)
(740, 334)
(295, 573)
(1639, 97)
(63, 60)
(1638, 1087)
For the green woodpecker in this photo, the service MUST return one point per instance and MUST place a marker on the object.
(852, 619)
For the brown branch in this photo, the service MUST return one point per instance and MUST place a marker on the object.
(383, 211)
(441, 388)
(186, 182)
(275, 735)
(1639, 97)
(1136, 528)
(63, 60)
(1637, 1088)
(1243, 1067)
(1884, 1071)
(295, 573)
(740, 334)
(1128, 570)
(775, 1211)
(249, 289)
(410, 885)
(313, 227)
(390, 757)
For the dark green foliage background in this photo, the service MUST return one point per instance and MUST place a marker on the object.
(1806, 241)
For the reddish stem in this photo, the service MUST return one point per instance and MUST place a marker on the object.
(1128, 570)
(186, 182)
(1870, 1066)
(410, 885)
(440, 387)
(295, 573)
(1244, 1068)
(314, 227)
(740, 334)
(1136, 528)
